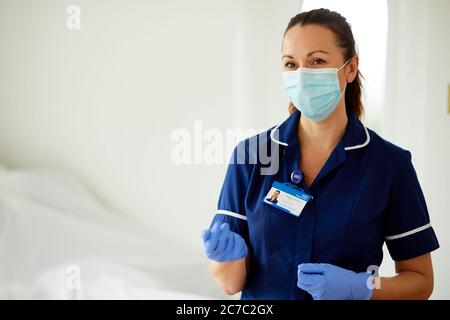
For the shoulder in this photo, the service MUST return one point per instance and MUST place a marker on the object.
(253, 147)
(254, 156)
(385, 150)
(262, 137)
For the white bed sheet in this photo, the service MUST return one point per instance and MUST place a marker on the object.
(50, 222)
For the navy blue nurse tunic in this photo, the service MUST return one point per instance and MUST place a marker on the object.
(367, 193)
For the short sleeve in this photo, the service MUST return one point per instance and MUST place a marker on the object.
(231, 203)
(407, 227)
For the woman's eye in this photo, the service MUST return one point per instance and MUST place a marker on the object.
(290, 65)
(317, 62)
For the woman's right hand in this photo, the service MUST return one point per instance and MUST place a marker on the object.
(222, 244)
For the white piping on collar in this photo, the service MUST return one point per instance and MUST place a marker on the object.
(346, 148)
(360, 145)
(275, 140)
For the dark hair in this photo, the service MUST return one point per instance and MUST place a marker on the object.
(344, 37)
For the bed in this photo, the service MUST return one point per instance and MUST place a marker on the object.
(58, 241)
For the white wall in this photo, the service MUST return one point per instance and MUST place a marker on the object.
(416, 117)
(103, 101)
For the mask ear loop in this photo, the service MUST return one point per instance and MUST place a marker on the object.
(342, 93)
(344, 64)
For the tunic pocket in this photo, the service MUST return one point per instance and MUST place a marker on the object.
(281, 232)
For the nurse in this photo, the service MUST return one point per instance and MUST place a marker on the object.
(346, 191)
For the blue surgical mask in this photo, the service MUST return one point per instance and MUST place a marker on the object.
(315, 92)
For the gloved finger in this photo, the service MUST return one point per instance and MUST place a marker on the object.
(214, 237)
(206, 234)
(229, 245)
(222, 242)
(311, 268)
(304, 287)
(223, 231)
(309, 279)
(225, 227)
(215, 227)
(316, 288)
(239, 247)
(225, 254)
(210, 246)
(240, 243)
(211, 243)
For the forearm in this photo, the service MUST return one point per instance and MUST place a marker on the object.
(230, 276)
(405, 285)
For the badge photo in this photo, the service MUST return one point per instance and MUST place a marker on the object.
(287, 198)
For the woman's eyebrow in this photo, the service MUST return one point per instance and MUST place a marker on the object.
(287, 56)
(315, 51)
(308, 55)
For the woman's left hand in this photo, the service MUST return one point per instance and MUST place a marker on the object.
(328, 282)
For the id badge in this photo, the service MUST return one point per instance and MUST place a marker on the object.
(287, 198)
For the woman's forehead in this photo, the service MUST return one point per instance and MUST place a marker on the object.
(302, 40)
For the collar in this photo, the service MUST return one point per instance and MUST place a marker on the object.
(356, 135)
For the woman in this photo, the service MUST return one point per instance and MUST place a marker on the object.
(364, 189)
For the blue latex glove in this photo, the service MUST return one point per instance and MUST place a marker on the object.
(328, 282)
(223, 245)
